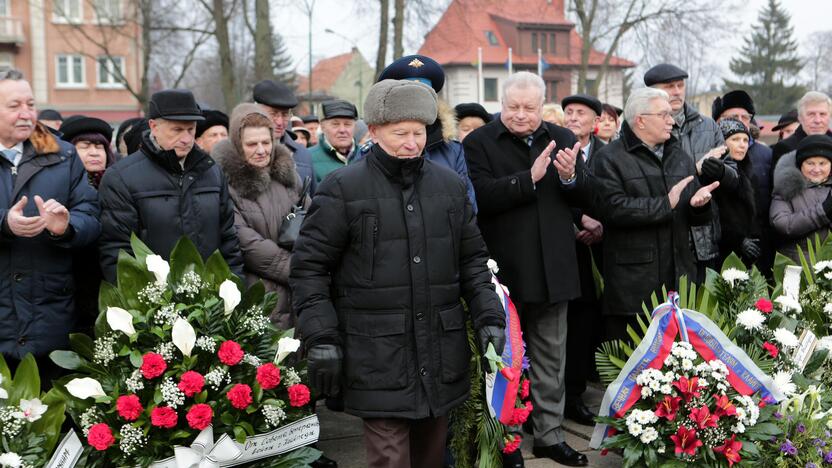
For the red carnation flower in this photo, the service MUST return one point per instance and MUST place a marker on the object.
(524, 389)
(230, 353)
(512, 445)
(153, 365)
(764, 305)
(771, 349)
(268, 376)
(199, 416)
(298, 395)
(519, 415)
(129, 407)
(240, 395)
(163, 416)
(191, 383)
(101, 436)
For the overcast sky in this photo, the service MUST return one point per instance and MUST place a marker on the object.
(357, 22)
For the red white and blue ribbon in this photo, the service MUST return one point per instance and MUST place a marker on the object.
(505, 389)
(670, 320)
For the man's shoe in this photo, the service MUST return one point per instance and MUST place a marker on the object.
(577, 411)
(561, 453)
(324, 462)
(513, 459)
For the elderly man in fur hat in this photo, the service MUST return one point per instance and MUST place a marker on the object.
(48, 211)
(389, 247)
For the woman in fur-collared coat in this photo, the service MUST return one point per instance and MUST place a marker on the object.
(264, 185)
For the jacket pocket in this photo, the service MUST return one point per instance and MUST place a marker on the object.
(454, 350)
(375, 351)
(634, 256)
(369, 241)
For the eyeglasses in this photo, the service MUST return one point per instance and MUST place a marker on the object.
(662, 115)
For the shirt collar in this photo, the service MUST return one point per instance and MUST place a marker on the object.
(18, 147)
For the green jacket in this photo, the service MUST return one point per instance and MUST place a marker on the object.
(325, 158)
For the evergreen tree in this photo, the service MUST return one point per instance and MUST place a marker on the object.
(769, 62)
(284, 69)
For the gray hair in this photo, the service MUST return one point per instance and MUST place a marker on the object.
(11, 74)
(523, 80)
(639, 102)
(813, 97)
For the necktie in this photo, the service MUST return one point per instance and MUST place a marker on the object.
(530, 140)
(10, 154)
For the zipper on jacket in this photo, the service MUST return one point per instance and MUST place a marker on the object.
(375, 243)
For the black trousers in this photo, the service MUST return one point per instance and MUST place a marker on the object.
(583, 336)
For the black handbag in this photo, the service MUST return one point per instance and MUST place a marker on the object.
(290, 227)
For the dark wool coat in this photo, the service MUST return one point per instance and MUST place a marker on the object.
(36, 283)
(646, 242)
(528, 227)
(262, 198)
(796, 210)
(737, 209)
(150, 194)
(388, 248)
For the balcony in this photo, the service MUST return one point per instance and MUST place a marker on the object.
(11, 31)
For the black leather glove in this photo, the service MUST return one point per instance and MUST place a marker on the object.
(494, 335)
(827, 206)
(750, 248)
(713, 169)
(324, 367)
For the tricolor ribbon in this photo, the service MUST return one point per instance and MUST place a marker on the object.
(505, 388)
(204, 453)
(705, 337)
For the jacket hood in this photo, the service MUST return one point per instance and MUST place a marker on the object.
(444, 129)
(250, 181)
(788, 181)
(235, 124)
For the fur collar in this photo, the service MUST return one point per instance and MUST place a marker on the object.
(43, 141)
(249, 181)
(788, 181)
(447, 116)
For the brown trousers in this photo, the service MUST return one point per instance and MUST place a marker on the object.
(403, 443)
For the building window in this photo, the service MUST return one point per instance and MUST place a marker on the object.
(110, 72)
(534, 42)
(67, 11)
(589, 86)
(490, 89)
(70, 71)
(552, 48)
(5, 9)
(552, 91)
(492, 38)
(108, 11)
(6, 61)
(543, 43)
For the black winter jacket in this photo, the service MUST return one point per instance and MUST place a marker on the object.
(150, 194)
(646, 242)
(388, 248)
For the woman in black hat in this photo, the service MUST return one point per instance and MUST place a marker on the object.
(787, 125)
(469, 117)
(801, 205)
(607, 129)
(91, 137)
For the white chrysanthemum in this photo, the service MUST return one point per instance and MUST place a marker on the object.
(786, 338)
(751, 319)
(11, 460)
(828, 275)
(649, 435)
(738, 428)
(635, 429)
(687, 364)
(825, 343)
(666, 389)
(783, 382)
(823, 265)
(732, 276)
(789, 304)
(661, 449)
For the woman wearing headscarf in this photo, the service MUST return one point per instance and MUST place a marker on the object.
(264, 185)
(801, 204)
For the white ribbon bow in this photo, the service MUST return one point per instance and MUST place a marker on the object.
(203, 453)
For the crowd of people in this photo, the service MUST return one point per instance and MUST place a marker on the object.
(403, 208)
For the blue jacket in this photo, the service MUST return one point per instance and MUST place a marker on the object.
(760, 156)
(303, 161)
(36, 281)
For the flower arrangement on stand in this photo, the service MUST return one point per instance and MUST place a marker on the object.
(180, 353)
(30, 422)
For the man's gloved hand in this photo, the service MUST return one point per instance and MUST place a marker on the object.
(713, 169)
(324, 366)
(750, 248)
(494, 335)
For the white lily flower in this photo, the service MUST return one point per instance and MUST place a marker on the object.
(230, 295)
(120, 320)
(285, 347)
(3, 393)
(84, 388)
(11, 460)
(30, 410)
(159, 267)
(183, 336)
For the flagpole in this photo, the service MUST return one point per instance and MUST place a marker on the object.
(479, 75)
(540, 62)
(510, 65)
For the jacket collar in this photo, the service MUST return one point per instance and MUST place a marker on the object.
(402, 170)
(332, 152)
(632, 143)
(168, 159)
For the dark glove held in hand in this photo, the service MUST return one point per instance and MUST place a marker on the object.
(494, 335)
(750, 248)
(827, 206)
(713, 169)
(324, 365)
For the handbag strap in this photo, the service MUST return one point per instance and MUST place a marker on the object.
(307, 181)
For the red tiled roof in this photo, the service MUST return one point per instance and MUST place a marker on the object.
(325, 73)
(462, 29)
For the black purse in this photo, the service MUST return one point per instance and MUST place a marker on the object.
(290, 227)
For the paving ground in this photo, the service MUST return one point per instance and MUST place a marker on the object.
(341, 439)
